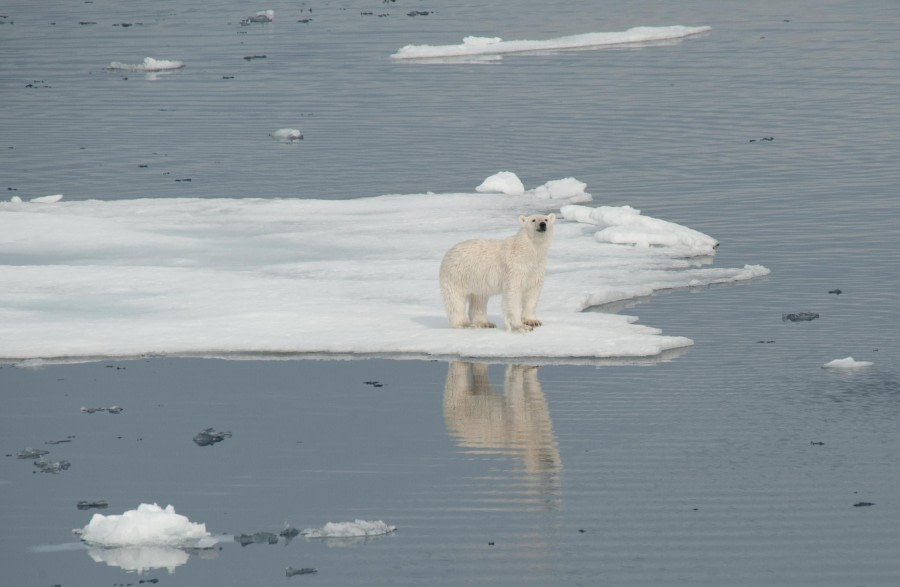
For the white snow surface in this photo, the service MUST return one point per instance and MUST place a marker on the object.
(356, 529)
(479, 46)
(847, 363)
(149, 64)
(86, 280)
(148, 525)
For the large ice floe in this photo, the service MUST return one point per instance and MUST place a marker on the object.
(148, 525)
(146, 538)
(250, 277)
(495, 46)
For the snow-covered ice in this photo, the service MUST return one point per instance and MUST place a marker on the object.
(356, 529)
(480, 46)
(249, 277)
(148, 525)
(848, 363)
(149, 64)
(504, 182)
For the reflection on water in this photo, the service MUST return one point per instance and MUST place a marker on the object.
(513, 421)
(137, 559)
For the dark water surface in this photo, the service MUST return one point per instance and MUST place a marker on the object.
(737, 462)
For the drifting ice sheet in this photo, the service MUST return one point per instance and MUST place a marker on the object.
(479, 46)
(357, 529)
(219, 277)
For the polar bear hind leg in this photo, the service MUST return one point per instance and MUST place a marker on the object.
(478, 311)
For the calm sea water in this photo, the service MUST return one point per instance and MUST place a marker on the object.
(703, 469)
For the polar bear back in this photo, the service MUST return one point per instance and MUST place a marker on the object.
(485, 267)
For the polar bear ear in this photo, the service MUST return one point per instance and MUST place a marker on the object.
(551, 218)
(523, 219)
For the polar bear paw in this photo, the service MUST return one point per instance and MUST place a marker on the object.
(533, 322)
(482, 324)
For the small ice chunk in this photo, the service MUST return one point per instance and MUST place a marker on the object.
(47, 199)
(16, 200)
(32, 453)
(149, 64)
(287, 135)
(52, 466)
(148, 525)
(356, 529)
(799, 317)
(505, 182)
(847, 363)
(569, 189)
(210, 436)
(257, 538)
(87, 505)
(261, 16)
(110, 409)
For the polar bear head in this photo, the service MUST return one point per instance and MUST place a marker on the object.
(537, 226)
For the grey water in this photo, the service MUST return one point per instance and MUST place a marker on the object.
(737, 462)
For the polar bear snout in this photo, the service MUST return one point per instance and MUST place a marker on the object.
(542, 227)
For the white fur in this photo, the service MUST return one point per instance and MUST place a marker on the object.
(474, 270)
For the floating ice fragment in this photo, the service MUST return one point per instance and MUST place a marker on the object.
(148, 525)
(356, 529)
(799, 317)
(111, 410)
(210, 436)
(257, 538)
(149, 64)
(847, 363)
(287, 135)
(261, 16)
(32, 453)
(505, 182)
(87, 505)
(52, 466)
(16, 200)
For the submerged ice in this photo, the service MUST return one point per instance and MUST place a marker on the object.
(218, 277)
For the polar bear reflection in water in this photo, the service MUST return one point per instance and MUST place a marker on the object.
(511, 421)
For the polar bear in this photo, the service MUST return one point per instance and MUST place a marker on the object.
(474, 270)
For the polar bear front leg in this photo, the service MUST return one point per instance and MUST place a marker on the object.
(478, 312)
(529, 317)
(512, 311)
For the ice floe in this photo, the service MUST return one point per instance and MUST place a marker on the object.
(848, 363)
(148, 525)
(149, 64)
(483, 46)
(84, 280)
(355, 529)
